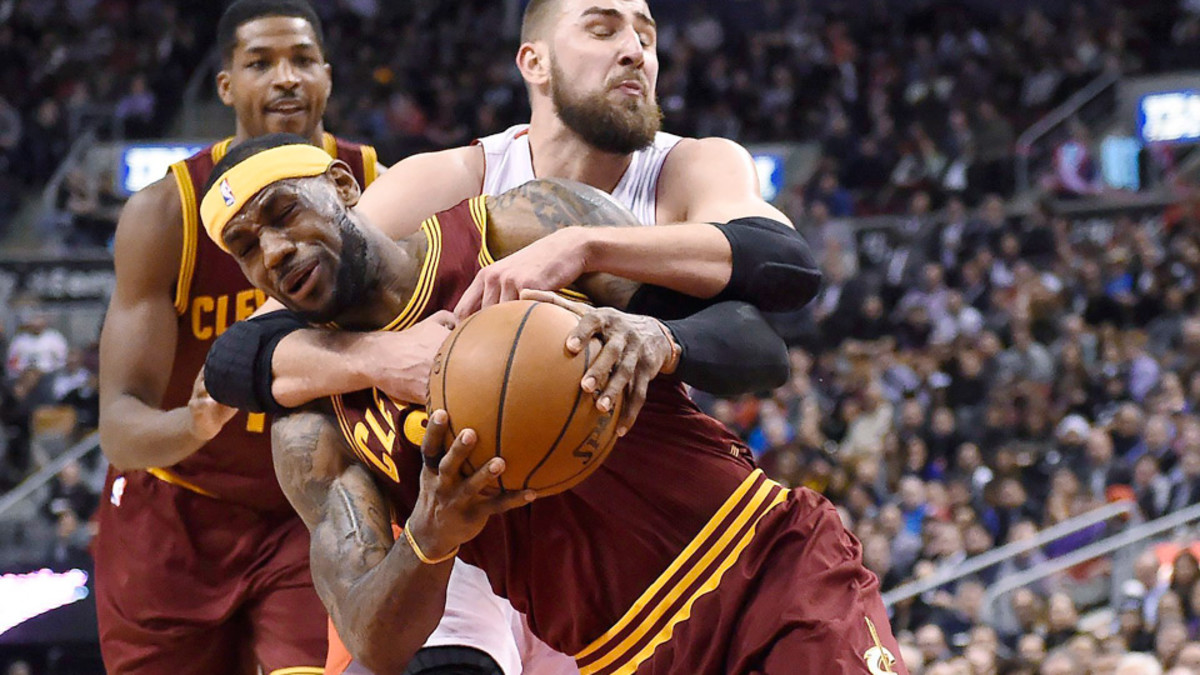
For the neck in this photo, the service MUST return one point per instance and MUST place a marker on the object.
(558, 152)
(394, 268)
(317, 138)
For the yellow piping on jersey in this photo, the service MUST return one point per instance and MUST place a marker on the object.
(191, 235)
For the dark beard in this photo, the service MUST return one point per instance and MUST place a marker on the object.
(616, 129)
(352, 282)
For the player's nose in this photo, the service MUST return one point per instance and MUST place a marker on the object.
(286, 75)
(632, 53)
(276, 248)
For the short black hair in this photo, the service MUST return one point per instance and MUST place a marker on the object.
(247, 149)
(535, 19)
(240, 12)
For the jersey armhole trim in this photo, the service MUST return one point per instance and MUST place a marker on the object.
(191, 235)
(432, 229)
(370, 161)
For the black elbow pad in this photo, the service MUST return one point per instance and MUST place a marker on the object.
(773, 267)
(237, 371)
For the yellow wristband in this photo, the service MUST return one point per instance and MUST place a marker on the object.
(421, 554)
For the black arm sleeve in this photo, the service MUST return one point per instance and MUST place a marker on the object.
(728, 348)
(237, 371)
(773, 267)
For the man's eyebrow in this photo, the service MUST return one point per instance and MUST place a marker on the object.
(303, 44)
(613, 13)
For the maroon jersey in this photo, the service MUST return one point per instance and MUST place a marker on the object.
(605, 571)
(210, 294)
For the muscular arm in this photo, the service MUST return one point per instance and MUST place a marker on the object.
(382, 599)
(137, 343)
(421, 185)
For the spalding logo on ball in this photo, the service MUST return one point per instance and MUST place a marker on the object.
(506, 373)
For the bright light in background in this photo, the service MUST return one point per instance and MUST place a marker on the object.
(29, 595)
(141, 165)
(770, 175)
(1169, 116)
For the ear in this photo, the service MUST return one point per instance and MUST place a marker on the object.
(533, 60)
(224, 83)
(328, 80)
(344, 182)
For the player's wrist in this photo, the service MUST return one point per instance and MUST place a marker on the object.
(587, 247)
(675, 352)
(424, 543)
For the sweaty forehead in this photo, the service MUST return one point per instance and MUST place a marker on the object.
(576, 9)
(275, 31)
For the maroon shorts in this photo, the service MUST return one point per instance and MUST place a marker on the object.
(795, 599)
(190, 584)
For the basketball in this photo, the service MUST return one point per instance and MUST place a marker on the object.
(506, 373)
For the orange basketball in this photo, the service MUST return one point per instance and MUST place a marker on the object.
(506, 373)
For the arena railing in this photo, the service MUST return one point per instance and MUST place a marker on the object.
(30, 485)
(1114, 544)
(1053, 120)
(1008, 551)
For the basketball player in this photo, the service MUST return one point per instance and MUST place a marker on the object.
(677, 555)
(591, 68)
(202, 566)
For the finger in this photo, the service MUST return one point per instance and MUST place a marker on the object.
(590, 325)
(634, 401)
(509, 290)
(452, 463)
(544, 296)
(602, 368)
(468, 304)
(445, 319)
(553, 298)
(618, 381)
(508, 501)
(485, 476)
(491, 293)
(433, 446)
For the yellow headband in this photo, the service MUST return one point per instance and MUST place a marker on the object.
(247, 178)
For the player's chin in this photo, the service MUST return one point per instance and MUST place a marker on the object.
(299, 124)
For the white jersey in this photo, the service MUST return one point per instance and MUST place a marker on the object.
(508, 163)
(477, 617)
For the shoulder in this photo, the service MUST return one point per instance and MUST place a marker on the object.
(149, 236)
(160, 199)
(461, 163)
(711, 180)
(702, 155)
(419, 186)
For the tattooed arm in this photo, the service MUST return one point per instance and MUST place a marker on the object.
(571, 230)
(383, 601)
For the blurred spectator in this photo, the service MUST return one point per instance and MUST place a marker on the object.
(75, 385)
(68, 492)
(1076, 173)
(70, 546)
(135, 110)
(36, 345)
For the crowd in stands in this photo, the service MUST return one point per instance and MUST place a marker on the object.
(902, 96)
(48, 399)
(1012, 374)
(984, 379)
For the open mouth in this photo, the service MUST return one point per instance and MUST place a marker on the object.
(287, 108)
(299, 282)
